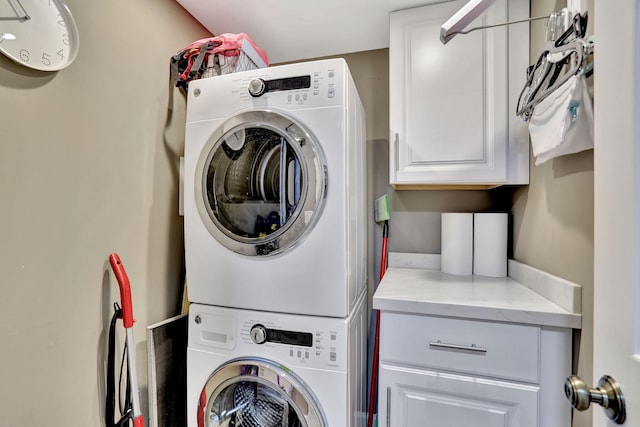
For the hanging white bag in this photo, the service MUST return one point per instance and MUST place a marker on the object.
(562, 123)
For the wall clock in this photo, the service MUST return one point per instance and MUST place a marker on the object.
(39, 34)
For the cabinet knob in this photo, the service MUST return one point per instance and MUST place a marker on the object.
(608, 394)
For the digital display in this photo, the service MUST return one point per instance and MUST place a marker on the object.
(304, 339)
(289, 83)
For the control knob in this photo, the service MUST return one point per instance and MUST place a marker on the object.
(258, 334)
(257, 87)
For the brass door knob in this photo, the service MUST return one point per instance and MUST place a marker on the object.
(608, 394)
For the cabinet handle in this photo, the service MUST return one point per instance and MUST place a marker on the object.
(473, 349)
(388, 406)
(396, 149)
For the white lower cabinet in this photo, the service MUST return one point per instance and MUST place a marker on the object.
(449, 372)
(421, 397)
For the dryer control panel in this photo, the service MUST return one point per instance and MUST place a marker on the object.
(315, 89)
(258, 87)
(314, 84)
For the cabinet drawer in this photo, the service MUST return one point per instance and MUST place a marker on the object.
(492, 349)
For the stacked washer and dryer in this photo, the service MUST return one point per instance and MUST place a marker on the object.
(275, 246)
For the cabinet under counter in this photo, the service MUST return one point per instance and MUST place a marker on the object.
(454, 348)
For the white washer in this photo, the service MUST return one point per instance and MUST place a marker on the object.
(274, 190)
(313, 369)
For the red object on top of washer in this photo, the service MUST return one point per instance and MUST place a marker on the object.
(225, 44)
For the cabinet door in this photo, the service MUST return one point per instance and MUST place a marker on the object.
(414, 397)
(449, 118)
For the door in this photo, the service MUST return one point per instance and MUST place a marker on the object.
(257, 393)
(448, 116)
(617, 202)
(425, 398)
(260, 183)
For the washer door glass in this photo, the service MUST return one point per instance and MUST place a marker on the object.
(257, 393)
(260, 183)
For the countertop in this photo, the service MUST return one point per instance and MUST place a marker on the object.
(431, 292)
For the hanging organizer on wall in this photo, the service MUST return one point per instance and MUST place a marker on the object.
(555, 99)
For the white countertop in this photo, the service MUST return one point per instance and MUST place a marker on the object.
(431, 292)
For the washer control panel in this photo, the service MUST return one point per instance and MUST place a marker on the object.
(304, 341)
(317, 346)
(260, 335)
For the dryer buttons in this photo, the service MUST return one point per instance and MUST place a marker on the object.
(258, 334)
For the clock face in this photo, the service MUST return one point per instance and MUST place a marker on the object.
(39, 34)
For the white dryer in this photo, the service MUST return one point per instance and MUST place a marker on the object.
(271, 369)
(274, 190)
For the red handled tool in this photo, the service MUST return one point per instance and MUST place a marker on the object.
(132, 409)
(376, 342)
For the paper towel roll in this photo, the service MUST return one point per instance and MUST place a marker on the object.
(457, 244)
(490, 234)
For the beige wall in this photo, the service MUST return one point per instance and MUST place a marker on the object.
(553, 220)
(85, 172)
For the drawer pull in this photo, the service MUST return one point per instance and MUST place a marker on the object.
(388, 406)
(473, 349)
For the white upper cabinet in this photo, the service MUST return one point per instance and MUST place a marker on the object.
(452, 107)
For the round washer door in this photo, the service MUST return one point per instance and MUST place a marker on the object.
(260, 183)
(257, 393)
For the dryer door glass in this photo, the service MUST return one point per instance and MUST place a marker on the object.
(260, 183)
(256, 393)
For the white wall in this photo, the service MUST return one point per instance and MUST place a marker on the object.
(85, 171)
